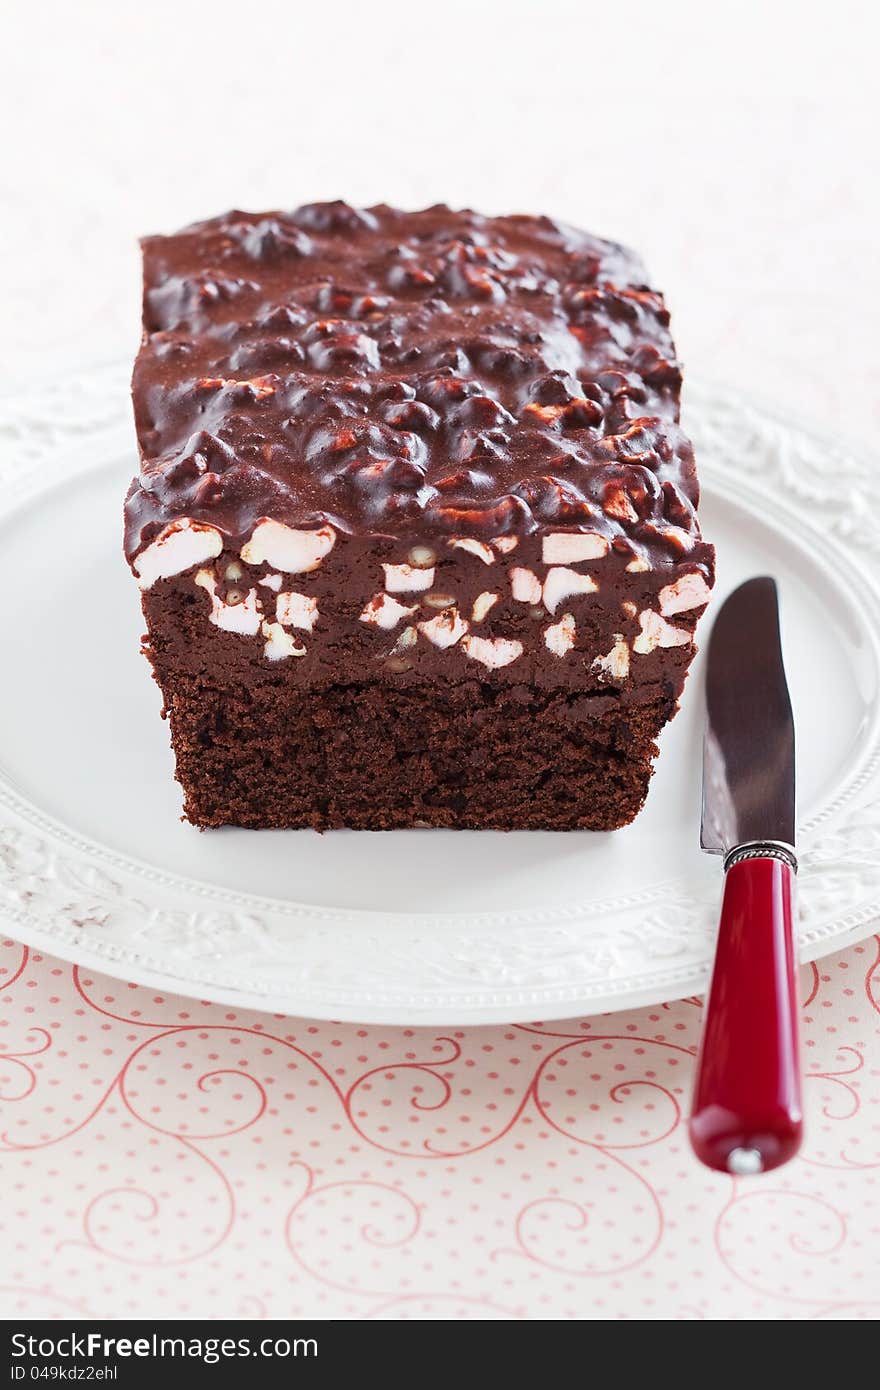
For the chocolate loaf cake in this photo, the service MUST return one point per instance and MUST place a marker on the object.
(415, 525)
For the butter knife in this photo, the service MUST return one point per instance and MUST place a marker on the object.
(747, 1112)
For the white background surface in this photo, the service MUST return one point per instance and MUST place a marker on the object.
(734, 145)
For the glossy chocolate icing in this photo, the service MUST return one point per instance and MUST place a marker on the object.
(408, 374)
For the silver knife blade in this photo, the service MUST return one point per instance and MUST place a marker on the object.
(748, 749)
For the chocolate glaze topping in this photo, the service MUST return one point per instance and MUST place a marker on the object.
(407, 373)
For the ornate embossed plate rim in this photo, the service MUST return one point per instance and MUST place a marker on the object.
(839, 840)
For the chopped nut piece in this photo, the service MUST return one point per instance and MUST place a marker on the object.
(675, 538)
(618, 504)
(398, 664)
(407, 638)
(422, 556)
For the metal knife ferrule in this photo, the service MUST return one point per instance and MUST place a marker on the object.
(762, 849)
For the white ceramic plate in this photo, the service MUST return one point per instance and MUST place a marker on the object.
(426, 927)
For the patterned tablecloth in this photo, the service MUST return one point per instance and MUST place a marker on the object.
(164, 1157)
(167, 1157)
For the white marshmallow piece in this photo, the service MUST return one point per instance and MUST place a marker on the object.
(657, 632)
(385, 612)
(179, 546)
(446, 629)
(482, 604)
(271, 581)
(407, 579)
(562, 583)
(279, 644)
(559, 638)
(525, 585)
(286, 549)
(296, 610)
(479, 548)
(492, 651)
(244, 618)
(689, 591)
(568, 547)
(616, 664)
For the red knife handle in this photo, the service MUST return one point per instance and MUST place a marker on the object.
(747, 1113)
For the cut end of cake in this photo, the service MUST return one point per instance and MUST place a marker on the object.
(363, 758)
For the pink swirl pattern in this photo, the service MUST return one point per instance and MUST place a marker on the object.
(161, 1156)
